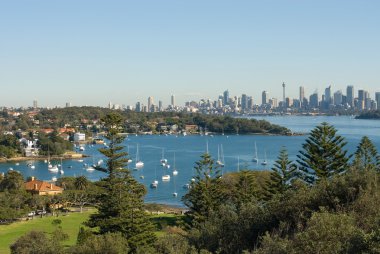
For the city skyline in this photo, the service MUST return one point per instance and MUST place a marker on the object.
(93, 52)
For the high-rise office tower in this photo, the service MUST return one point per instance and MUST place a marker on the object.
(35, 104)
(160, 107)
(313, 101)
(138, 107)
(350, 96)
(150, 103)
(226, 97)
(338, 97)
(244, 102)
(302, 94)
(264, 97)
(377, 98)
(173, 100)
(283, 92)
(328, 98)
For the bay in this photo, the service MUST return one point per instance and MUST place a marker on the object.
(188, 149)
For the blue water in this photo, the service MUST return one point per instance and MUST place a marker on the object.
(188, 150)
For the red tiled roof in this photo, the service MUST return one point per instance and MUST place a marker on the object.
(37, 185)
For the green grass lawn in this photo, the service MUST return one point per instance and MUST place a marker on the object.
(70, 225)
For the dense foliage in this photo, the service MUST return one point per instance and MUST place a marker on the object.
(279, 211)
(139, 121)
(373, 114)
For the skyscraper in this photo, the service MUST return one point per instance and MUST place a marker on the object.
(138, 107)
(35, 104)
(173, 100)
(350, 96)
(264, 97)
(377, 98)
(283, 92)
(328, 99)
(150, 103)
(302, 94)
(244, 102)
(226, 97)
(313, 101)
(338, 98)
(160, 107)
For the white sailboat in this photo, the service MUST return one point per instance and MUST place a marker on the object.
(220, 161)
(265, 159)
(129, 159)
(163, 161)
(154, 184)
(255, 158)
(90, 168)
(166, 178)
(175, 172)
(175, 194)
(139, 164)
(61, 170)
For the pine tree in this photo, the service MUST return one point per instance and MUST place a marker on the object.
(366, 155)
(323, 154)
(204, 195)
(283, 171)
(121, 203)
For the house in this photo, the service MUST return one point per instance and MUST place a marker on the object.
(42, 188)
(79, 137)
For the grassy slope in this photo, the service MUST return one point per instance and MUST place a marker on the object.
(70, 225)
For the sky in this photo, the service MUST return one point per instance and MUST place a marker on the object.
(91, 52)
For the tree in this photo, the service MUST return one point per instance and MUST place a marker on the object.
(36, 242)
(323, 154)
(81, 183)
(204, 194)
(121, 202)
(366, 155)
(111, 243)
(13, 181)
(281, 175)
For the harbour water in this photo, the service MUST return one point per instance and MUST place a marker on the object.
(188, 149)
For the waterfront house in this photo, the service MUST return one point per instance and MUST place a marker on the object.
(79, 137)
(42, 188)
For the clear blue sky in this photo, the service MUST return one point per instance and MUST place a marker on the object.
(92, 52)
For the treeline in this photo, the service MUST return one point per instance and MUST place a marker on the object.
(326, 201)
(374, 114)
(139, 121)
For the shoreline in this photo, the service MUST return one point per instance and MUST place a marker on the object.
(41, 158)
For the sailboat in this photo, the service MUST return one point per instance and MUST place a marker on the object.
(139, 164)
(61, 170)
(154, 184)
(129, 159)
(255, 158)
(175, 194)
(265, 159)
(175, 172)
(163, 161)
(220, 161)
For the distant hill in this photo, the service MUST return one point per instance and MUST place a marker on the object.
(374, 114)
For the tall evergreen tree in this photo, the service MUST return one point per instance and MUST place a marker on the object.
(366, 155)
(121, 202)
(283, 171)
(204, 195)
(323, 154)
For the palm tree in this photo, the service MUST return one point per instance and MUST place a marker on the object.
(81, 183)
